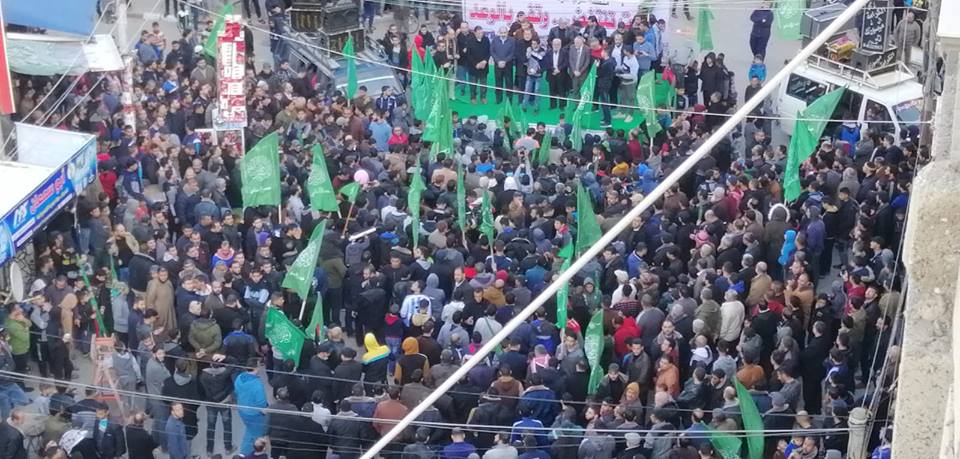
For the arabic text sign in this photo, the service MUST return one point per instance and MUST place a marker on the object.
(231, 110)
(493, 14)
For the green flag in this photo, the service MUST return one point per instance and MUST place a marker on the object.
(576, 134)
(101, 328)
(414, 196)
(439, 125)
(210, 46)
(593, 348)
(350, 191)
(315, 329)
(418, 87)
(260, 173)
(486, 215)
(586, 90)
(787, 18)
(285, 337)
(588, 230)
(351, 57)
(752, 422)
(807, 130)
(566, 252)
(299, 277)
(543, 154)
(726, 445)
(461, 198)
(704, 37)
(646, 98)
(508, 110)
(319, 186)
(563, 295)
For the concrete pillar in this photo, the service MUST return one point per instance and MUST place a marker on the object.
(932, 258)
(859, 437)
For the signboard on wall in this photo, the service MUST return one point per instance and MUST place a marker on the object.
(875, 22)
(493, 14)
(231, 110)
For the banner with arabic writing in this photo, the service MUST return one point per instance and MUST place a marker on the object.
(493, 14)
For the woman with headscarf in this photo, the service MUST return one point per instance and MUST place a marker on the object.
(376, 362)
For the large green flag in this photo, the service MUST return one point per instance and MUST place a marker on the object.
(461, 198)
(787, 18)
(210, 46)
(260, 173)
(576, 134)
(486, 217)
(351, 57)
(101, 330)
(646, 98)
(566, 252)
(439, 125)
(563, 296)
(543, 154)
(704, 37)
(350, 191)
(299, 277)
(285, 337)
(807, 130)
(588, 230)
(315, 329)
(586, 90)
(593, 348)
(752, 422)
(726, 445)
(319, 186)
(413, 203)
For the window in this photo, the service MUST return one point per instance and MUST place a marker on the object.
(804, 88)
(908, 113)
(878, 117)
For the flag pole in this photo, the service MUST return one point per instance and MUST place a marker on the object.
(303, 307)
(346, 222)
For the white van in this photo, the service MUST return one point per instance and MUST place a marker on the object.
(892, 95)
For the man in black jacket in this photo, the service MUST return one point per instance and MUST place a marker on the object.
(475, 56)
(347, 374)
(556, 63)
(606, 72)
(216, 382)
(141, 444)
(11, 440)
(283, 427)
(349, 436)
(108, 436)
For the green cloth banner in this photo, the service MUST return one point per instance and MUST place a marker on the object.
(284, 336)
(588, 230)
(299, 277)
(593, 348)
(486, 215)
(787, 16)
(563, 296)
(752, 422)
(260, 173)
(350, 191)
(704, 37)
(351, 57)
(414, 196)
(807, 130)
(210, 46)
(646, 100)
(319, 187)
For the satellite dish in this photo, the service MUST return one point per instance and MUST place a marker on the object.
(16, 282)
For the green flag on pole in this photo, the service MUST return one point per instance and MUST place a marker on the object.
(593, 347)
(752, 422)
(646, 100)
(726, 445)
(210, 46)
(319, 186)
(284, 336)
(576, 134)
(413, 203)
(260, 173)
(566, 252)
(461, 198)
(586, 90)
(299, 277)
(588, 230)
(351, 57)
(486, 215)
(704, 37)
(543, 153)
(787, 18)
(439, 125)
(101, 328)
(563, 296)
(315, 329)
(807, 130)
(350, 191)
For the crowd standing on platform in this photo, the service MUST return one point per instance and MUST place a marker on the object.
(720, 282)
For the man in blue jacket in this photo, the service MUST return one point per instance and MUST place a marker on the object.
(176, 434)
(541, 401)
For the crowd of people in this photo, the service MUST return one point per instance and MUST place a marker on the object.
(719, 283)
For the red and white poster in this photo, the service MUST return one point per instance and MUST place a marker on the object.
(231, 110)
(6, 84)
(544, 14)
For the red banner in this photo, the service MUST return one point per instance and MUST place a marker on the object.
(231, 65)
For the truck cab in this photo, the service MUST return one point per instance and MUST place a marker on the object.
(888, 101)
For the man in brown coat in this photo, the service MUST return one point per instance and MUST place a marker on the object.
(160, 297)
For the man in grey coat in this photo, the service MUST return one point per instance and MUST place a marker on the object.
(502, 50)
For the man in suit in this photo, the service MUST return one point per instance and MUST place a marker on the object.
(475, 55)
(503, 51)
(579, 63)
(556, 64)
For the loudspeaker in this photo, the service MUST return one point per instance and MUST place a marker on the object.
(339, 18)
(873, 61)
(816, 19)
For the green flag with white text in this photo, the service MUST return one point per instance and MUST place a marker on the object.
(210, 46)
(563, 296)
(807, 130)
(588, 230)
(726, 445)
(319, 186)
(752, 422)
(704, 37)
(787, 16)
(350, 191)
(351, 57)
(284, 336)
(543, 154)
(646, 101)
(413, 203)
(486, 217)
(299, 277)
(260, 173)
(593, 348)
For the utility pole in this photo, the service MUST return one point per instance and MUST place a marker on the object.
(931, 51)
(126, 96)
